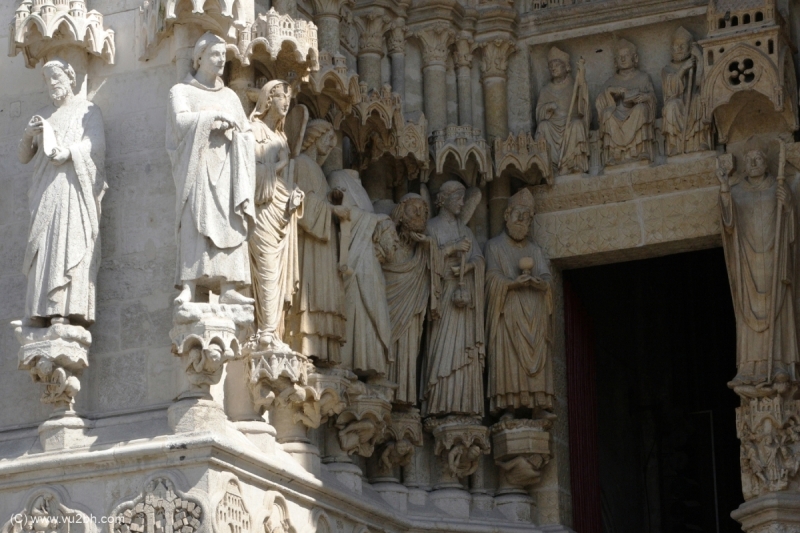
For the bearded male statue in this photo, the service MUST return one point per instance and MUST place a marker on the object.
(66, 143)
(519, 321)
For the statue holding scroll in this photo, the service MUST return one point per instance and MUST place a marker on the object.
(210, 143)
(626, 110)
(519, 321)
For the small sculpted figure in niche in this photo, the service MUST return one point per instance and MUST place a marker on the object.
(210, 143)
(759, 235)
(456, 351)
(519, 325)
(626, 109)
(366, 350)
(563, 115)
(66, 142)
(408, 293)
(684, 128)
(316, 320)
(273, 243)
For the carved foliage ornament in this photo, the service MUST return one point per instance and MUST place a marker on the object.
(494, 62)
(371, 27)
(47, 513)
(159, 509)
(436, 40)
(40, 27)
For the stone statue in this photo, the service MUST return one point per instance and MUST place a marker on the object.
(210, 143)
(66, 142)
(366, 350)
(759, 222)
(273, 243)
(456, 353)
(626, 110)
(563, 115)
(519, 322)
(316, 322)
(683, 125)
(408, 293)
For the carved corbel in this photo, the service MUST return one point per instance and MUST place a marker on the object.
(403, 436)
(41, 28)
(459, 443)
(521, 450)
(362, 424)
(524, 153)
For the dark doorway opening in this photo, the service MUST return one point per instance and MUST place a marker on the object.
(651, 345)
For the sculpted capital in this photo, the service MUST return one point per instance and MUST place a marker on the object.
(436, 40)
(329, 8)
(465, 45)
(494, 63)
(396, 37)
(371, 27)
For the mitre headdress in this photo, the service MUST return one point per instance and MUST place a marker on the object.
(622, 44)
(560, 55)
(683, 35)
(523, 198)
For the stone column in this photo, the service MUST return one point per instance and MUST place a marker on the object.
(327, 17)
(371, 27)
(494, 67)
(436, 40)
(396, 42)
(463, 60)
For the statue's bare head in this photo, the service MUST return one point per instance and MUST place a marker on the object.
(451, 197)
(681, 45)
(625, 56)
(755, 163)
(59, 76)
(319, 135)
(209, 55)
(411, 214)
(519, 215)
(274, 99)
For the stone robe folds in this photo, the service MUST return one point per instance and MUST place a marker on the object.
(408, 291)
(456, 351)
(316, 322)
(519, 328)
(63, 250)
(366, 350)
(749, 219)
(675, 118)
(626, 128)
(273, 243)
(571, 136)
(214, 173)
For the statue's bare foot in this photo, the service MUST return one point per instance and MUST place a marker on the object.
(230, 296)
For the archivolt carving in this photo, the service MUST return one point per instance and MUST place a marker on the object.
(40, 27)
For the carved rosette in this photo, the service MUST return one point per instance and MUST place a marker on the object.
(521, 450)
(462, 143)
(524, 153)
(332, 385)
(56, 357)
(271, 33)
(46, 512)
(403, 435)
(159, 508)
(205, 337)
(362, 424)
(494, 61)
(43, 26)
(371, 27)
(459, 443)
(769, 430)
(436, 40)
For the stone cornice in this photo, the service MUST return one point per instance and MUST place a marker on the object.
(423, 12)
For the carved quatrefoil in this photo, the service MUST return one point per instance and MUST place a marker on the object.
(741, 72)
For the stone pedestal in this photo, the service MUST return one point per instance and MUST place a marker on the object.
(384, 468)
(205, 336)
(776, 512)
(362, 424)
(452, 501)
(521, 450)
(64, 431)
(459, 443)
